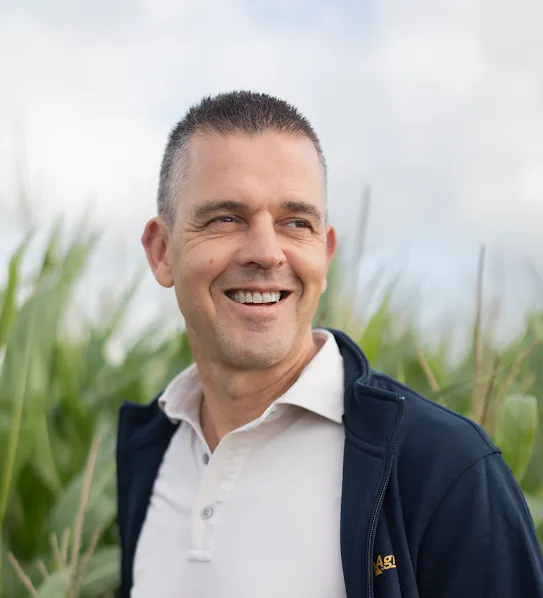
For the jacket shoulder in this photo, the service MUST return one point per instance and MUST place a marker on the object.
(435, 448)
(141, 423)
(432, 428)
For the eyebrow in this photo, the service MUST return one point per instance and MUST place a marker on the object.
(303, 207)
(212, 207)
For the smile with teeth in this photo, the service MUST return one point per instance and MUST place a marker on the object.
(250, 297)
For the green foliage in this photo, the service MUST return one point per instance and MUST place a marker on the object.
(516, 432)
(60, 396)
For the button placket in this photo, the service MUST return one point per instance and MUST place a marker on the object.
(204, 508)
(217, 481)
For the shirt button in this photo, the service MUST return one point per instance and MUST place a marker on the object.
(206, 458)
(206, 513)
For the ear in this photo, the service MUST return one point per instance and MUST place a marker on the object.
(157, 244)
(331, 246)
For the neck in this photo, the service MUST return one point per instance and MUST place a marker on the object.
(233, 397)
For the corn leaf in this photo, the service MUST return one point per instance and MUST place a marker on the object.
(101, 503)
(9, 296)
(56, 585)
(516, 432)
(374, 333)
(102, 573)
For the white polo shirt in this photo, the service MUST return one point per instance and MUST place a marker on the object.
(260, 517)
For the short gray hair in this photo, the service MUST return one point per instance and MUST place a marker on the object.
(228, 113)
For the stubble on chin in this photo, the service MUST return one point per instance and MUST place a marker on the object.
(257, 347)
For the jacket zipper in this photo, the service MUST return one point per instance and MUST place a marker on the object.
(381, 497)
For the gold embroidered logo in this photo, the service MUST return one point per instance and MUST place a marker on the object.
(383, 564)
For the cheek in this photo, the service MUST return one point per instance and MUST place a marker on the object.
(199, 266)
(311, 269)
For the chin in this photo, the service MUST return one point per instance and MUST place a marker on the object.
(256, 354)
(252, 361)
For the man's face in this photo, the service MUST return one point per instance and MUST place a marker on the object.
(249, 250)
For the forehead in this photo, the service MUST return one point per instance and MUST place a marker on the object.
(268, 166)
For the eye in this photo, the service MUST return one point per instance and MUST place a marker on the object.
(223, 220)
(299, 224)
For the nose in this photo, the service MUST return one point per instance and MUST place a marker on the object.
(261, 245)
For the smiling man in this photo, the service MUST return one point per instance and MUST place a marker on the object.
(280, 463)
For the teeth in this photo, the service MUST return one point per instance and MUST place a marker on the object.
(247, 297)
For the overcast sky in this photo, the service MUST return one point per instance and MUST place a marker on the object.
(437, 105)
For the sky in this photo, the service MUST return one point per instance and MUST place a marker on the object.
(437, 106)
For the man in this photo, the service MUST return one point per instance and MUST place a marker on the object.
(280, 464)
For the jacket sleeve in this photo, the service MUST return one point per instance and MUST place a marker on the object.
(480, 541)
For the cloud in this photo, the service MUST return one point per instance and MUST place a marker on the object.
(437, 105)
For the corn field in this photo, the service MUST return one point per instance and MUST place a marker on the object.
(60, 394)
